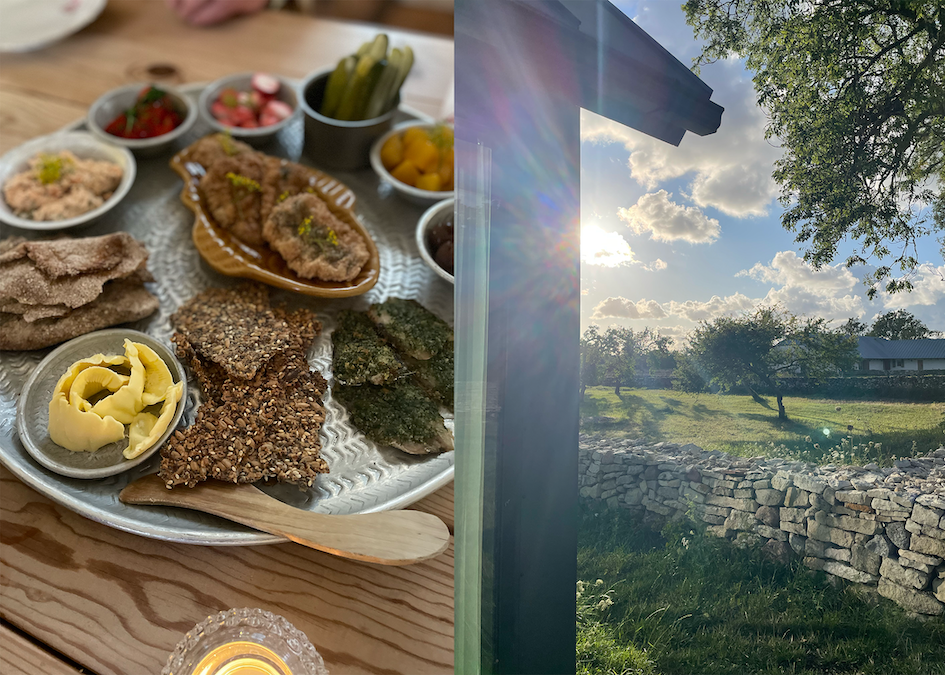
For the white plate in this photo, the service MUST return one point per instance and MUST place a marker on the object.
(31, 24)
(84, 146)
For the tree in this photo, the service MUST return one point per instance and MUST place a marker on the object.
(855, 93)
(899, 325)
(854, 327)
(607, 357)
(761, 349)
(687, 376)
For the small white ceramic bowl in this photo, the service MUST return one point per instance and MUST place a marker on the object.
(32, 412)
(242, 82)
(435, 215)
(411, 194)
(111, 104)
(84, 146)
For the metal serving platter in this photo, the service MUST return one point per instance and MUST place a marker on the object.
(364, 477)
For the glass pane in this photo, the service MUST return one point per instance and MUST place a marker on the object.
(758, 451)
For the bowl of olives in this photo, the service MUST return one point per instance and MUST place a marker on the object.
(435, 238)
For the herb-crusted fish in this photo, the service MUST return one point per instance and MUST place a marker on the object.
(436, 376)
(412, 328)
(360, 355)
(401, 415)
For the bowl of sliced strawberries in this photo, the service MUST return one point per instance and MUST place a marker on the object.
(252, 107)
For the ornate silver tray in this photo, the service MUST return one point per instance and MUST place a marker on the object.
(364, 477)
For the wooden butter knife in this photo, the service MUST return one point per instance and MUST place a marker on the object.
(386, 538)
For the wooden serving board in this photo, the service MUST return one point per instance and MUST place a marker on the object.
(230, 256)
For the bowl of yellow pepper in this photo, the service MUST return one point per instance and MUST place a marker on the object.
(416, 158)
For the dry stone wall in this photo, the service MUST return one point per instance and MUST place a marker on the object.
(883, 527)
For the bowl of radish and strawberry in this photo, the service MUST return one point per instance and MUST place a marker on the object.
(251, 107)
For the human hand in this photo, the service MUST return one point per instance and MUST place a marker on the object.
(208, 12)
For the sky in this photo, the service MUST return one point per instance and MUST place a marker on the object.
(671, 236)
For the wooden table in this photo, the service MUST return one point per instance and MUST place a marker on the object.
(78, 596)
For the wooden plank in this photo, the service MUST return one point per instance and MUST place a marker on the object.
(131, 36)
(118, 603)
(19, 656)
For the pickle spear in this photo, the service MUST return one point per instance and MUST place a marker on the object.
(335, 87)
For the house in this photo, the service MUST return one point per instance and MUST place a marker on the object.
(900, 356)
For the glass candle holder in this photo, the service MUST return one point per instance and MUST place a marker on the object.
(244, 642)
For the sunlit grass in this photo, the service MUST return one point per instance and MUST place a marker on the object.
(738, 424)
(696, 604)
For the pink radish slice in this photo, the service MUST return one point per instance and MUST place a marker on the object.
(278, 109)
(266, 119)
(265, 84)
(249, 124)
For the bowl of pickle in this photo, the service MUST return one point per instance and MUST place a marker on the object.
(416, 159)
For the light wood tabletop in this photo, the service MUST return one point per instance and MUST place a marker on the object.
(78, 596)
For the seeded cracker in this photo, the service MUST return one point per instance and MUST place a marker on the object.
(263, 407)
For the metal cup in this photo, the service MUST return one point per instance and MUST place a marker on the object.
(337, 144)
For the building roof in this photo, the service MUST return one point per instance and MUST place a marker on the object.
(881, 348)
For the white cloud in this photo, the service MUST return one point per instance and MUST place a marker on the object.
(656, 265)
(665, 220)
(810, 302)
(607, 249)
(789, 270)
(621, 308)
(598, 129)
(928, 288)
(713, 308)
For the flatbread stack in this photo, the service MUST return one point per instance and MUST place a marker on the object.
(53, 291)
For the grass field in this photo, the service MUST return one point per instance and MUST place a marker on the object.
(815, 428)
(686, 603)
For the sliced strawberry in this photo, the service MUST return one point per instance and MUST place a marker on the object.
(242, 114)
(278, 109)
(265, 84)
(249, 124)
(267, 119)
(219, 110)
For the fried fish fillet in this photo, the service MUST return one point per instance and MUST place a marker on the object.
(412, 328)
(359, 355)
(232, 187)
(314, 242)
(399, 414)
(211, 148)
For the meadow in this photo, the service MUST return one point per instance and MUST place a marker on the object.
(817, 430)
(684, 603)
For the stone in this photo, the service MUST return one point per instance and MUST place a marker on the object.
(796, 528)
(797, 543)
(854, 497)
(841, 554)
(938, 589)
(849, 573)
(769, 497)
(814, 563)
(850, 523)
(778, 551)
(921, 558)
(634, 496)
(761, 484)
(881, 546)
(790, 515)
(815, 548)
(898, 535)
(743, 494)
(740, 520)
(889, 508)
(926, 516)
(781, 480)
(746, 540)
(768, 515)
(922, 544)
(810, 483)
(904, 576)
(740, 504)
(864, 559)
(796, 497)
(922, 603)
(771, 532)
(826, 533)
(913, 527)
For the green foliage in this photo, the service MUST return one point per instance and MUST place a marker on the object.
(598, 652)
(900, 325)
(756, 350)
(612, 357)
(741, 426)
(687, 376)
(855, 94)
(697, 604)
(853, 327)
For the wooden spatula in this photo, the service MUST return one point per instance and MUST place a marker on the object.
(386, 538)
